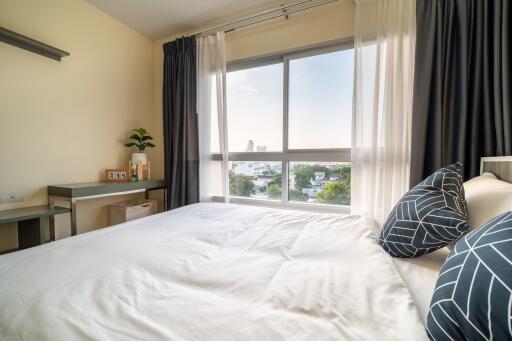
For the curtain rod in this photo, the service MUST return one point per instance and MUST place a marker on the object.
(281, 11)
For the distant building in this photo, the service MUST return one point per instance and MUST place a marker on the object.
(276, 167)
(261, 148)
(318, 180)
(251, 169)
(250, 146)
(336, 177)
(319, 175)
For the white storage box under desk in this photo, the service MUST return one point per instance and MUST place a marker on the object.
(124, 211)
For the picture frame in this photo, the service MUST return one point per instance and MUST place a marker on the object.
(117, 175)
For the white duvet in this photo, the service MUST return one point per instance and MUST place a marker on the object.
(210, 272)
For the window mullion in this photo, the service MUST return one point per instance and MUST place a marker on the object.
(286, 83)
(284, 182)
(326, 155)
(284, 164)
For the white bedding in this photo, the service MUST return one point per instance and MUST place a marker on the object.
(420, 276)
(210, 272)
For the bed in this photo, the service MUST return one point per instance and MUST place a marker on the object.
(212, 272)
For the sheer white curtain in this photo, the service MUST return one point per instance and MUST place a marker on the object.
(211, 110)
(384, 41)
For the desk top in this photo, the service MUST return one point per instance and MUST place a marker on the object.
(98, 188)
(24, 213)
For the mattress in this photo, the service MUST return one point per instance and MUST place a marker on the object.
(211, 272)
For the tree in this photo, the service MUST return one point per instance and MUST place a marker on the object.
(295, 195)
(274, 191)
(274, 186)
(343, 170)
(337, 192)
(323, 169)
(240, 185)
(346, 170)
(303, 175)
(276, 179)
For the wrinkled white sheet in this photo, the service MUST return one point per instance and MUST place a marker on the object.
(210, 272)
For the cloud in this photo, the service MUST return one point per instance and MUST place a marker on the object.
(249, 88)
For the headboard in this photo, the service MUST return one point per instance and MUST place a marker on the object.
(501, 166)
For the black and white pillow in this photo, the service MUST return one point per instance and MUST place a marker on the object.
(473, 296)
(428, 217)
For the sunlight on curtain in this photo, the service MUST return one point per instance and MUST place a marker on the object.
(384, 42)
(211, 83)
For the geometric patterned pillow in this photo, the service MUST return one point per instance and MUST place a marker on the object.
(428, 217)
(473, 296)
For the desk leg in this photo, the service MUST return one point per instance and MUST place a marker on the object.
(18, 237)
(42, 229)
(72, 215)
(72, 206)
(51, 220)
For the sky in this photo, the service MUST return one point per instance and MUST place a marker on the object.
(320, 107)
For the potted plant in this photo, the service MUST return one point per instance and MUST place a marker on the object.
(140, 139)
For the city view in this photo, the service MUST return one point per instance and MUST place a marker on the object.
(311, 182)
(319, 114)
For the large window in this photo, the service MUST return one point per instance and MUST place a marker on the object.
(289, 128)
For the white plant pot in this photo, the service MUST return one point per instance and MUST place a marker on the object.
(139, 156)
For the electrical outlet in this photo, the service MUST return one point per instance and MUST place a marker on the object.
(10, 197)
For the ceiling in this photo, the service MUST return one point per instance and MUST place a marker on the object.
(160, 18)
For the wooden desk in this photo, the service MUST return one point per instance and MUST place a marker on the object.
(72, 193)
(28, 218)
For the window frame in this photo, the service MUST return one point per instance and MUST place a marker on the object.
(289, 155)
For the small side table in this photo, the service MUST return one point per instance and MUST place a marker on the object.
(29, 218)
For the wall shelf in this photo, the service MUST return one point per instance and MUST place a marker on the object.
(31, 45)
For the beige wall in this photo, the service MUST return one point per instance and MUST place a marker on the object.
(66, 122)
(322, 24)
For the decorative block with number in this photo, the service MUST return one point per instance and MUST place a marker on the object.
(117, 175)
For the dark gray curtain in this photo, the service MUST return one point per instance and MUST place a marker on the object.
(462, 84)
(181, 155)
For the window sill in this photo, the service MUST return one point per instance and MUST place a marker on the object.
(301, 206)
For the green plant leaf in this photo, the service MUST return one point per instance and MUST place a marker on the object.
(149, 144)
(136, 138)
(146, 137)
(131, 144)
(141, 131)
